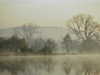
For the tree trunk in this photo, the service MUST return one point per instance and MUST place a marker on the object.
(67, 48)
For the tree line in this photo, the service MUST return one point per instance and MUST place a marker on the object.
(17, 44)
(83, 26)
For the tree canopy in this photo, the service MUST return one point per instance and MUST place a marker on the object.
(83, 26)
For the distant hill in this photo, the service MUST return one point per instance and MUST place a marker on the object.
(44, 31)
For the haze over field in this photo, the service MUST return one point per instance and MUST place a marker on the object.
(45, 12)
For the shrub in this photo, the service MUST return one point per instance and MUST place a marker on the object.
(47, 50)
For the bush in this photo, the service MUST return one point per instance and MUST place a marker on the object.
(47, 50)
(24, 48)
(30, 49)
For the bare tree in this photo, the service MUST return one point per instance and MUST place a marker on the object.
(83, 26)
(26, 31)
(51, 43)
(36, 45)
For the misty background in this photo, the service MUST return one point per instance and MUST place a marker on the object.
(57, 33)
(45, 12)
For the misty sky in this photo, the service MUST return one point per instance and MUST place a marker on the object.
(45, 12)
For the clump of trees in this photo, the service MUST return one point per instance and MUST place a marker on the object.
(47, 46)
(12, 44)
(17, 43)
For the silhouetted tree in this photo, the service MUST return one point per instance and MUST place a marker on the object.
(67, 42)
(47, 50)
(1, 42)
(51, 43)
(49, 46)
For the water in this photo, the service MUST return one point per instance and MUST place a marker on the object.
(50, 65)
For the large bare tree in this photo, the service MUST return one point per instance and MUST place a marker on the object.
(83, 26)
(26, 31)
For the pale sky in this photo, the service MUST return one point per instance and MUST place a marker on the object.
(45, 12)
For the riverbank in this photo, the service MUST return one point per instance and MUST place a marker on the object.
(38, 54)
